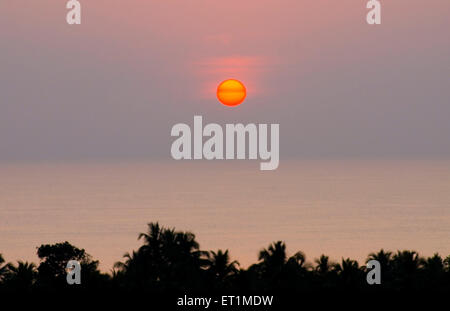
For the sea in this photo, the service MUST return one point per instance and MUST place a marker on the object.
(340, 207)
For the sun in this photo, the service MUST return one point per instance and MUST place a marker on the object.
(231, 92)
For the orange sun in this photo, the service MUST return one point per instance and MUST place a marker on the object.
(231, 92)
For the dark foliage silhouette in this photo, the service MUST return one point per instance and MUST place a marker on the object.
(21, 276)
(172, 261)
(54, 258)
(167, 260)
(221, 268)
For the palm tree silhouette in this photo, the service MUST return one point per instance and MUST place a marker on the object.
(277, 271)
(171, 261)
(167, 259)
(152, 238)
(434, 265)
(298, 259)
(166, 244)
(406, 266)
(21, 276)
(434, 272)
(349, 273)
(325, 275)
(407, 261)
(384, 258)
(347, 266)
(323, 265)
(220, 266)
(130, 259)
(135, 272)
(274, 257)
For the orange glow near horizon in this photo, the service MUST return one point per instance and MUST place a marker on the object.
(231, 92)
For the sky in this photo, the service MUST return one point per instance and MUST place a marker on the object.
(112, 87)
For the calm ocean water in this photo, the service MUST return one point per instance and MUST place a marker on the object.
(340, 208)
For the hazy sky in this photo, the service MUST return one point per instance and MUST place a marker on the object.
(114, 86)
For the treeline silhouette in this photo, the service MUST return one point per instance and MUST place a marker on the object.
(171, 261)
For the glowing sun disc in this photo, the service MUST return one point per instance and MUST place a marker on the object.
(231, 92)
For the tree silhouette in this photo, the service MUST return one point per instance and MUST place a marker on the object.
(274, 257)
(220, 266)
(323, 266)
(128, 264)
(277, 271)
(325, 275)
(170, 261)
(406, 265)
(298, 260)
(136, 272)
(349, 273)
(433, 272)
(385, 260)
(54, 259)
(21, 276)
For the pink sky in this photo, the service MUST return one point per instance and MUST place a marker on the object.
(134, 68)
